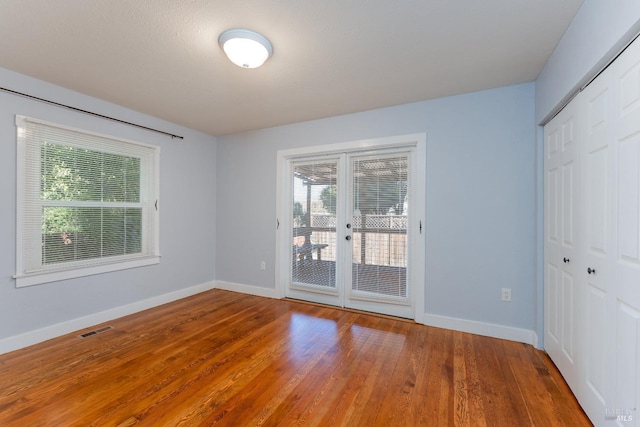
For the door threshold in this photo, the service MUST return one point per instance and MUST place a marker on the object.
(350, 310)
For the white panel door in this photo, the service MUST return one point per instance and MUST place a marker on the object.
(625, 284)
(561, 192)
(595, 340)
(594, 272)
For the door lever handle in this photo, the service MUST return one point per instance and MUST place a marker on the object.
(566, 260)
(591, 270)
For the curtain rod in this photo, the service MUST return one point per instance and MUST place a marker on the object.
(90, 113)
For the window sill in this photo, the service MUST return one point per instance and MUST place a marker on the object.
(38, 278)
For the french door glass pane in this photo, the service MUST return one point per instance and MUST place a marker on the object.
(314, 224)
(379, 189)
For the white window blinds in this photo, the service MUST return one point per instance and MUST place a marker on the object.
(84, 200)
(314, 225)
(379, 194)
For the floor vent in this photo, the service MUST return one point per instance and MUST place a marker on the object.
(95, 332)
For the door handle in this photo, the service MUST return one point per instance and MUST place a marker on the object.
(566, 260)
(348, 237)
(348, 225)
(591, 270)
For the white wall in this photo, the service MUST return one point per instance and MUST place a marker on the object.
(480, 209)
(187, 220)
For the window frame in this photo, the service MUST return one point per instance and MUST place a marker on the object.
(26, 188)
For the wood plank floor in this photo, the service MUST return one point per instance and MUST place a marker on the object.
(222, 358)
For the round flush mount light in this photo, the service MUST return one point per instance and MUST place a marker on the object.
(245, 48)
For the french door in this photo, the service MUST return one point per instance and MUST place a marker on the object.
(351, 230)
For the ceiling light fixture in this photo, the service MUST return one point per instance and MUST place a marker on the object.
(245, 48)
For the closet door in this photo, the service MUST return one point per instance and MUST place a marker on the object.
(561, 233)
(592, 305)
(625, 283)
(594, 276)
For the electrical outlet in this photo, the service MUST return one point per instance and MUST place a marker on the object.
(506, 294)
(263, 265)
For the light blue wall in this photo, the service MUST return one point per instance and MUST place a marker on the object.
(484, 190)
(480, 212)
(187, 216)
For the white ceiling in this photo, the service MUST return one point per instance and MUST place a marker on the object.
(331, 57)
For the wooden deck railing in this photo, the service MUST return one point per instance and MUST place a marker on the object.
(385, 238)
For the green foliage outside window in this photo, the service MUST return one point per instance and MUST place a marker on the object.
(328, 197)
(93, 223)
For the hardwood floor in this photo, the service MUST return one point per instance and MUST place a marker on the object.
(221, 358)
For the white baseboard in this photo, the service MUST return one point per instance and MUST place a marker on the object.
(481, 328)
(39, 335)
(471, 326)
(247, 289)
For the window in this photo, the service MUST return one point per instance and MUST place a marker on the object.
(87, 203)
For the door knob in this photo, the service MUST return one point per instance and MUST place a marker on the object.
(348, 237)
(591, 270)
(348, 225)
(566, 260)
